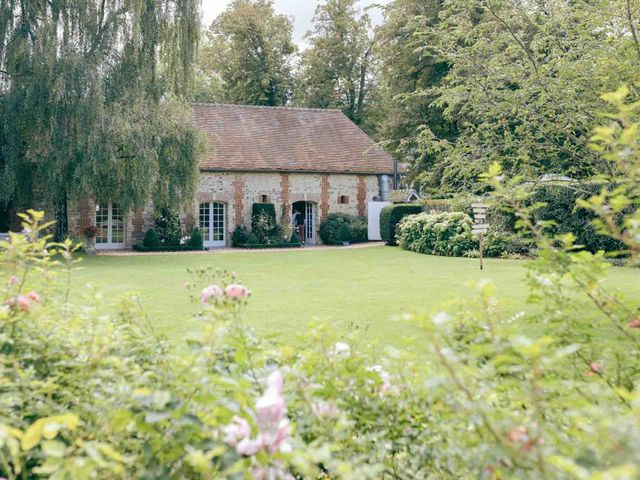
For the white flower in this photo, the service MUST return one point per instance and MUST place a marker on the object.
(544, 281)
(341, 348)
(441, 318)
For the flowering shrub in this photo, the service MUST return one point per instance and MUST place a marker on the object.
(265, 229)
(88, 391)
(558, 400)
(438, 234)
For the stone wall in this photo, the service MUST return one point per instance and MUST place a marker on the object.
(330, 193)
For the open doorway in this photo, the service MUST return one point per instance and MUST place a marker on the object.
(302, 216)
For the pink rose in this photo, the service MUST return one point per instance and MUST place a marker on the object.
(276, 442)
(275, 381)
(249, 447)
(269, 409)
(23, 303)
(212, 291)
(237, 291)
(34, 296)
(594, 369)
(13, 281)
(236, 431)
(635, 323)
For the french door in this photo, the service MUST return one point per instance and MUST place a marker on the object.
(212, 220)
(110, 223)
(308, 224)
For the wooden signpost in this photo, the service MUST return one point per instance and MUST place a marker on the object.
(480, 225)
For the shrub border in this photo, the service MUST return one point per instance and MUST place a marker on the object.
(264, 246)
(176, 248)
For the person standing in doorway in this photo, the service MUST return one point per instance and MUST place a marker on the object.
(297, 220)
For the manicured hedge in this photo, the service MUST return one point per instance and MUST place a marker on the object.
(391, 215)
(259, 246)
(330, 228)
(168, 248)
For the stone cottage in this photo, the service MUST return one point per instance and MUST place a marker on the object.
(308, 161)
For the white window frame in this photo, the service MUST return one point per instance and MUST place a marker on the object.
(211, 217)
(309, 221)
(110, 244)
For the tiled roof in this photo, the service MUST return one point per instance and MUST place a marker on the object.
(401, 196)
(281, 139)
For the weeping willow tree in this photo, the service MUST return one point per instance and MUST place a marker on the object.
(91, 102)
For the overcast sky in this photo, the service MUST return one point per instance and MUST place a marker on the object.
(301, 10)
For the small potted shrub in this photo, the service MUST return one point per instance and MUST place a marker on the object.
(344, 234)
(90, 234)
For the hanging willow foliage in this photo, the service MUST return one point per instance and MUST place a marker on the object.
(90, 97)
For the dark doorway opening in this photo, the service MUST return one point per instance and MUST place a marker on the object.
(302, 221)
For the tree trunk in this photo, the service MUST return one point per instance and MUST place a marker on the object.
(62, 220)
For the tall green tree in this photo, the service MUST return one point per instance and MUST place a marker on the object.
(90, 102)
(338, 68)
(521, 87)
(250, 49)
(410, 69)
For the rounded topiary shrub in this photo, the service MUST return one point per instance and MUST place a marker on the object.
(391, 215)
(196, 240)
(344, 234)
(151, 239)
(447, 234)
(240, 235)
(330, 228)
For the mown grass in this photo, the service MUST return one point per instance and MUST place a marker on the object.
(359, 288)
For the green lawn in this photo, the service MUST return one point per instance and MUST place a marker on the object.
(366, 287)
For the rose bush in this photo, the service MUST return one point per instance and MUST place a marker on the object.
(87, 390)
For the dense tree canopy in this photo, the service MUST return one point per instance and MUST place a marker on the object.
(338, 68)
(249, 52)
(521, 84)
(410, 70)
(86, 94)
(91, 93)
